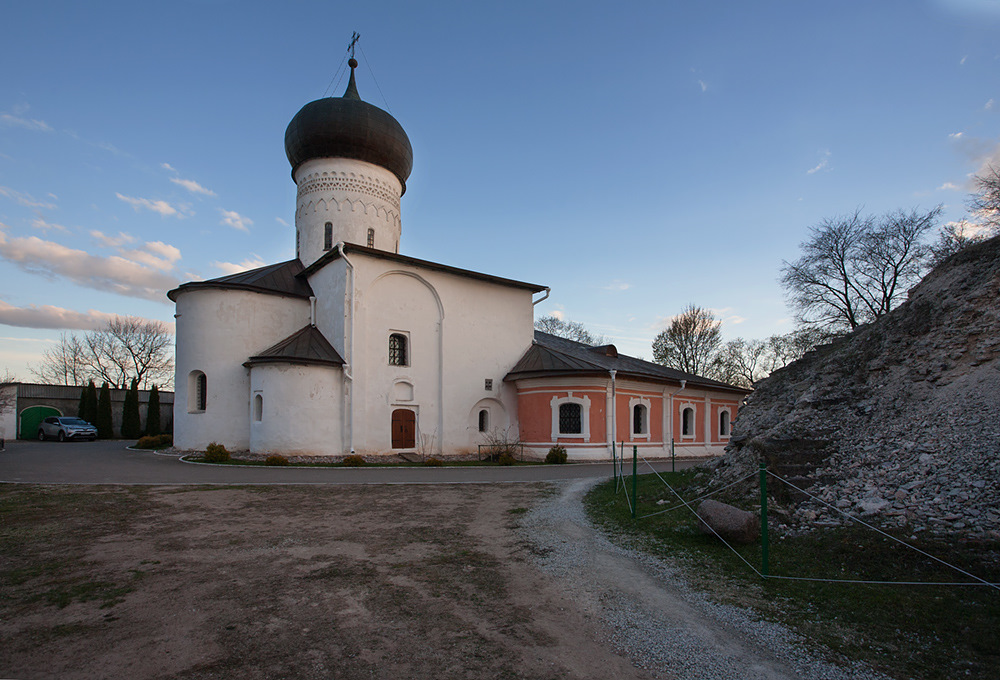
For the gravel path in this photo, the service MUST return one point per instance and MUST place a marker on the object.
(650, 615)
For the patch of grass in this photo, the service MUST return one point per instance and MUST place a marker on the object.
(517, 511)
(930, 632)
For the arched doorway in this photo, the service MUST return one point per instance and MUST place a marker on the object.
(31, 417)
(404, 429)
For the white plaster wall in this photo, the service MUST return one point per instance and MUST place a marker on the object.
(301, 409)
(8, 417)
(461, 331)
(218, 330)
(352, 195)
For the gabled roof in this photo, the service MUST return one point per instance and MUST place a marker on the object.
(334, 254)
(275, 279)
(550, 355)
(307, 346)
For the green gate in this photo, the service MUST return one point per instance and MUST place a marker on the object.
(31, 417)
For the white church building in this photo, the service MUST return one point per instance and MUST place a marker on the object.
(354, 347)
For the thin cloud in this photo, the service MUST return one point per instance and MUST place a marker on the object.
(116, 274)
(961, 62)
(111, 241)
(155, 254)
(282, 222)
(192, 186)
(50, 316)
(236, 268)
(618, 285)
(703, 85)
(161, 207)
(989, 105)
(823, 163)
(955, 135)
(27, 200)
(235, 220)
(27, 123)
(41, 225)
(167, 166)
(949, 186)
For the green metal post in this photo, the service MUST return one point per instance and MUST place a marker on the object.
(673, 462)
(614, 466)
(635, 464)
(763, 520)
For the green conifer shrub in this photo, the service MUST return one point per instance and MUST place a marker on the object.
(153, 413)
(105, 420)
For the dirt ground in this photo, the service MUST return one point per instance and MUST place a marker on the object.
(284, 582)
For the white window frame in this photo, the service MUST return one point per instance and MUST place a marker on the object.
(632, 403)
(584, 403)
(694, 421)
(194, 392)
(729, 423)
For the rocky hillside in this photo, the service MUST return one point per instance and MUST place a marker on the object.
(899, 420)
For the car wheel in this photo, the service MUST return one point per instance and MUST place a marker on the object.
(62, 436)
(41, 435)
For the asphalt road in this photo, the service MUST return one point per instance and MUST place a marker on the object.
(111, 462)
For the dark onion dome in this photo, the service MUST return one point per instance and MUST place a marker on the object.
(346, 127)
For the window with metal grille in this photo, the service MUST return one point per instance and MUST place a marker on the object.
(328, 236)
(397, 350)
(371, 238)
(484, 420)
(724, 424)
(489, 384)
(570, 419)
(639, 419)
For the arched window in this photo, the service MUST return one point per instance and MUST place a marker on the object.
(397, 350)
(258, 408)
(724, 424)
(570, 418)
(640, 420)
(328, 236)
(687, 422)
(197, 392)
(371, 238)
(484, 420)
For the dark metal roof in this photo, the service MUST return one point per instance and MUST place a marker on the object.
(334, 254)
(307, 346)
(275, 279)
(550, 355)
(347, 127)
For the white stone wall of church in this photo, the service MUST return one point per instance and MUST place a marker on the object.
(300, 409)
(460, 332)
(218, 330)
(354, 196)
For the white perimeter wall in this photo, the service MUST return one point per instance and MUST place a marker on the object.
(300, 409)
(218, 330)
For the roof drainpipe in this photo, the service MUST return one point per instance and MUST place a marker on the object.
(670, 422)
(610, 422)
(535, 302)
(312, 310)
(349, 351)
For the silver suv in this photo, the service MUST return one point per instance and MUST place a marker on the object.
(66, 428)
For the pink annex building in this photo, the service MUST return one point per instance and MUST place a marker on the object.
(354, 347)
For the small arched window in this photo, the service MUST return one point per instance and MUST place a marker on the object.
(371, 238)
(724, 424)
(328, 236)
(484, 420)
(397, 350)
(640, 420)
(197, 392)
(258, 408)
(687, 422)
(570, 418)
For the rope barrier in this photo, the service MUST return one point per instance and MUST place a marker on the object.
(686, 504)
(891, 537)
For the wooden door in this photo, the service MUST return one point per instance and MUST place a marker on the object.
(404, 429)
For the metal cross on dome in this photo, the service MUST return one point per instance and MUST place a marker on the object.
(355, 36)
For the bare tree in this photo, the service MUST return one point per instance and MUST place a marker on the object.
(8, 391)
(856, 268)
(130, 348)
(127, 348)
(572, 330)
(742, 362)
(985, 202)
(64, 364)
(690, 342)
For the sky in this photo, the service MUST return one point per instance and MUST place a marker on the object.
(633, 156)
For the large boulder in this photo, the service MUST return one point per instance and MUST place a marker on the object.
(731, 524)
